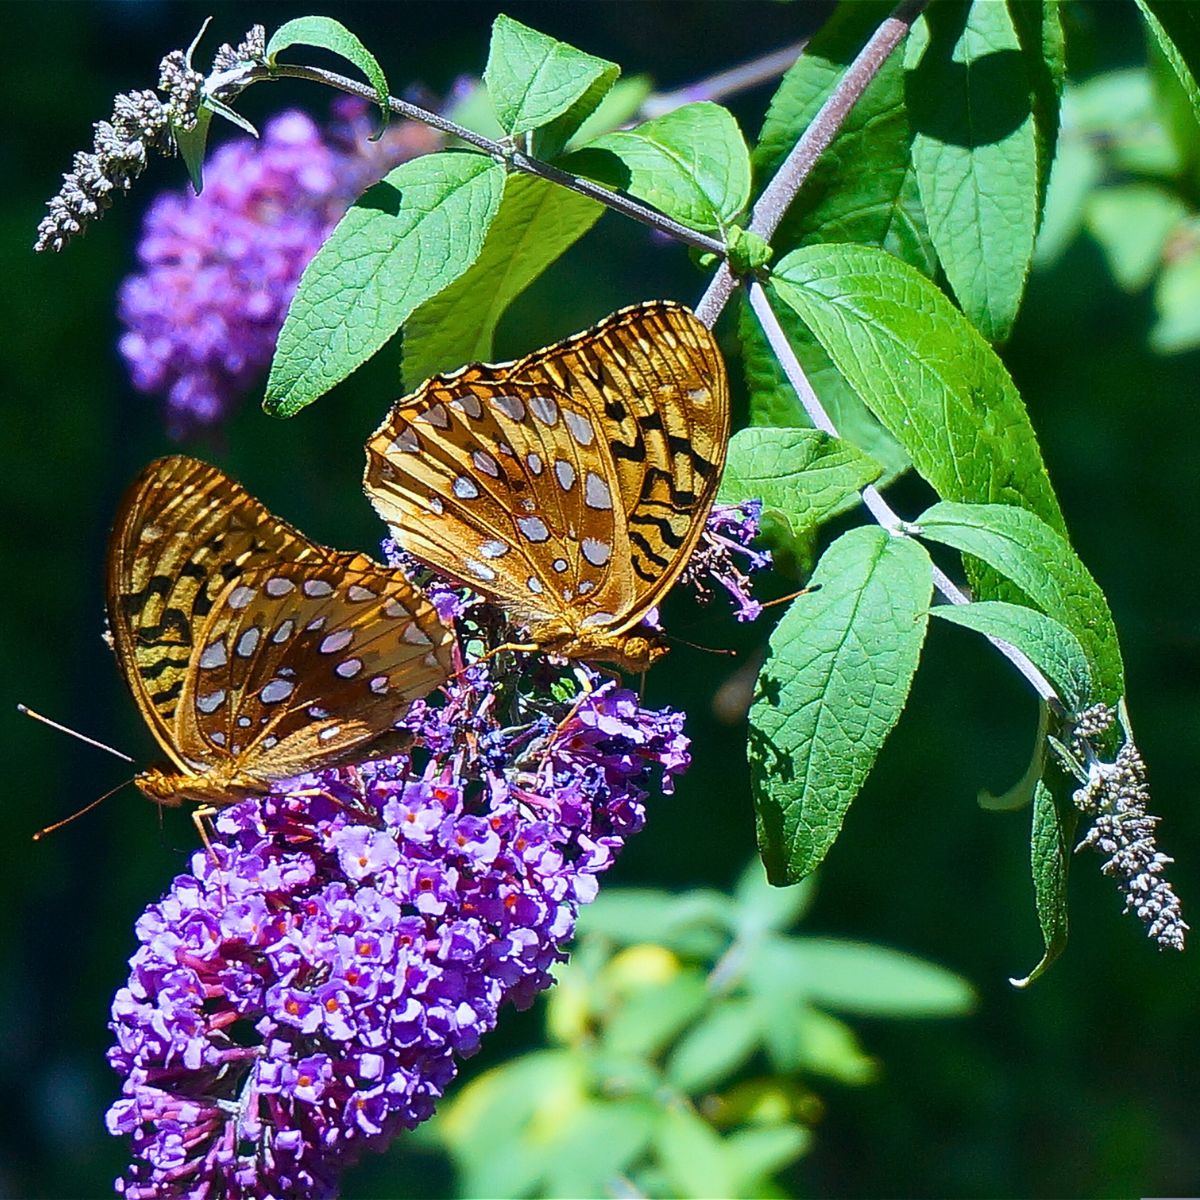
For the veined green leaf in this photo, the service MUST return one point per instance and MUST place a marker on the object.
(1050, 858)
(863, 188)
(834, 683)
(1047, 643)
(975, 152)
(1039, 28)
(403, 241)
(773, 400)
(1042, 565)
(803, 474)
(924, 371)
(692, 164)
(538, 83)
(536, 222)
(327, 34)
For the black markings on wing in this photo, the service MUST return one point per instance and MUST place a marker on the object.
(308, 664)
(183, 533)
(650, 384)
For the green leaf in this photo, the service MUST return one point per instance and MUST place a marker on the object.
(622, 104)
(538, 83)
(405, 240)
(191, 144)
(599, 1146)
(692, 1155)
(1050, 858)
(631, 916)
(498, 1127)
(1132, 223)
(720, 1042)
(1047, 643)
(1177, 299)
(850, 977)
(804, 475)
(650, 1018)
(1039, 28)
(830, 1048)
(1020, 795)
(691, 164)
(1120, 111)
(327, 34)
(754, 1155)
(1042, 565)
(1076, 171)
(537, 221)
(834, 683)
(1176, 28)
(773, 400)
(924, 371)
(863, 188)
(975, 153)
(760, 908)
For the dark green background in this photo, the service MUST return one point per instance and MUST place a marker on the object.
(1085, 1086)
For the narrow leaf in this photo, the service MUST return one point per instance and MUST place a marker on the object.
(191, 144)
(536, 223)
(834, 683)
(924, 371)
(1047, 643)
(1050, 858)
(863, 188)
(1176, 29)
(714, 1048)
(327, 34)
(692, 164)
(975, 153)
(534, 81)
(758, 1152)
(869, 980)
(1041, 563)
(804, 475)
(1039, 29)
(403, 241)
(692, 1154)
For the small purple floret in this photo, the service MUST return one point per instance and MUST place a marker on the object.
(305, 992)
(729, 531)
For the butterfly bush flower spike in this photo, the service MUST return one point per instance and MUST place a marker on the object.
(1115, 797)
(305, 992)
(218, 270)
(140, 123)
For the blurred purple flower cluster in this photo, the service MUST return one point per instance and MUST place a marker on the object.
(304, 992)
(218, 270)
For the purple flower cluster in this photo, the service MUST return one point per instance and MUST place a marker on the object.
(219, 270)
(304, 992)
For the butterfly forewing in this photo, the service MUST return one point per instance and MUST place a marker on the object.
(221, 616)
(572, 485)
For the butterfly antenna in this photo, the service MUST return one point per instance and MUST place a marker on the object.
(674, 637)
(790, 596)
(87, 808)
(21, 708)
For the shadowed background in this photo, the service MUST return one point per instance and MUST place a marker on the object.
(1085, 1086)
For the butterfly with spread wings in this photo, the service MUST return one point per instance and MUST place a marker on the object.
(253, 653)
(572, 486)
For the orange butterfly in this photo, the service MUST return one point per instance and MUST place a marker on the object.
(571, 486)
(253, 653)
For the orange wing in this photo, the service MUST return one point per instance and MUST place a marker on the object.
(571, 486)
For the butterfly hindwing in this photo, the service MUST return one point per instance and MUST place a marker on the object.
(254, 653)
(571, 485)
